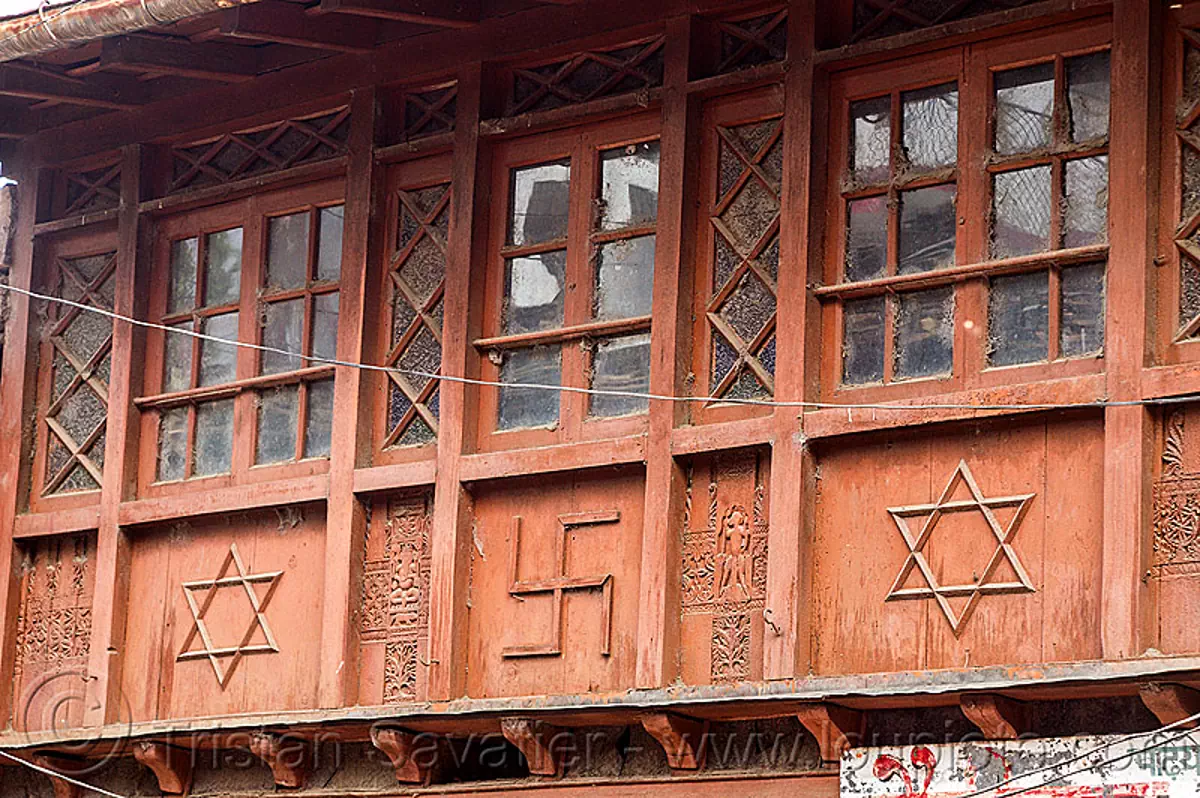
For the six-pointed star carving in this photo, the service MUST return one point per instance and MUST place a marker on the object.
(259, 607)
(933, 513)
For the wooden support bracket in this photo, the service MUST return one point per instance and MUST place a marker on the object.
(999, 718)
(538, 741)
(835, 728)
(1171, 702)
(683, 739)
(62, 788)
(288, 758)
(399, 747)
(172, 766)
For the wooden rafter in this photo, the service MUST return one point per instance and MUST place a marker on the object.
(206, 61)
(462, 14)
(98, 92)
(286, 23)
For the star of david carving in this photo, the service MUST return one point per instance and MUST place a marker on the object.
(933, 513)
(246, 582)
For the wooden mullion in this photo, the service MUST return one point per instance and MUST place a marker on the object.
(1053, 309)
(892, 259)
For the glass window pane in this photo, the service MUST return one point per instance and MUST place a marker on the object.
(329, 242)
(287, 251)
(1021, 212)
(283, 328)
(177, 370)
(1018, 319)
(625, 278)
(931, 126)
(172, 443)
(534, 292)
(862, 340)
(924, 333)
(866, 238)
(278, 414)
(1085, 206)
(1088, 96)
(182, 295)
(223, 267)
(629, 195)
(1024, 108)
(530, 407)
(539, 202)
(927, 229)
(325, 326)
(621, 364)
(319, 427)
(1081, 320)
(214, 438)
(871, 140)
(218, 362)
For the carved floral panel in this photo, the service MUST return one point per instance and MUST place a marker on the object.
(1175, 558)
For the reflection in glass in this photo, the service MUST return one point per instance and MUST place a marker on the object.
(223, 267)
(1081, 317)
(534, 292)
(862, 340)
(1085, 206)
(625, 278)
(218, 362)
(283, 328)
(319, 427)
(287, 251)
(177, 368)
(530, 407)
(538, 203)
(214, 438)
(182, 293)
(871, 140)
(1088, 96)
(866, 238)
(927, 229)
(329, 242)
(1018, 319)
(621, 364)
(629, 195)
(1024, 108)
(924, 342)
(1021, 212)
(172, 443)
(277, 413)
(325, 327)
(931, 126)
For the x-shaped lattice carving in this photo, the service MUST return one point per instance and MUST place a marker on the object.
(1186, 239)
(429, 111)
(97, 186)
(933, 513)
(752, 35)
(258, 606)
(556, 83)
(902, 10)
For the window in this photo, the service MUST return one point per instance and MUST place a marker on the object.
(573, 276)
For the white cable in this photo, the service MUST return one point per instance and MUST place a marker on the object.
(57, 775)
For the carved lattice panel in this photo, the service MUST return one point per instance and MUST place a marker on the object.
(752, 41)
(1187, 233)
(588, 76)
(54, 626)
(877, 18)
(246, 153)
(89, 190)
(430, 111)
(80, 350)
(745, 269)
(394, 616)
(417, 275)
(724, 568)
(1175, 560)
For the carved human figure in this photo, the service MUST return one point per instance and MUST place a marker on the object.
(733, 554)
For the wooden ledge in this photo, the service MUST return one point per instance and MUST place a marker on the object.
(556, 457)
(234, 498)
(836, 728)
(288, 758)
(684, 740)
(999, 718)
(400, 748)
(539, 741)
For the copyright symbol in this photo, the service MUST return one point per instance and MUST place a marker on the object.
(52, 714)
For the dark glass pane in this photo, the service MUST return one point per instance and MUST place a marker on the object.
(422, 356)
(630, 192)
(750, 213)
(1189, 290)
(625, 278)
(539, 203)
(1081, 320)
(177, 370)
(283, 328)
(927, 229)
(325, 326)
(172, 443)
(1087, 95)
(931, 126)
(223, 267)
(724, 357)
(214, 438)
(287, 251)
(924, 333)
(749, 307)
(534, 295)
(530, 407)
(329, 242)
(319, 427)
(862, 340)
(424, 268)
(278, 411)
(1018, 319)
(621, 364)
(1021, 212)
(1085, 206)
(871, 140)
(218, 362)
(1024, 108)
(866, 238)
(182, 295)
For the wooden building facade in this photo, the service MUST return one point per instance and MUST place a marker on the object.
(863, 334)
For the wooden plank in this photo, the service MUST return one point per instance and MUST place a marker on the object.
(724, 435)
(462, 14)
(225, 500)
(557, 457)
(56, 522)
(97, 92)
(397, 475)
(210, 195)
(206, 61)
(286, 23)
(75, 222)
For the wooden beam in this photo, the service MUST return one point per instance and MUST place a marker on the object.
(62, 788)
(288, 758)
(1171, 703)
(223, 62)
(16, 120)
(286, 23)
(462, 14)
(172, 766)
(98, 91)
(540, 742)
(999, 718)
(684, 740)
(836, 728)
(400, 749)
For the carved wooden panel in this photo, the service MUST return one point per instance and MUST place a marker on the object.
(393, 615)
(724, 568)
(1175, 559)
(587, 76)
(1186, 145)
(554, 584)
(53, 636)
(86, 190)
(977, 546)
(751, 41)
(428, 111)
(877, 18)
(222, 614)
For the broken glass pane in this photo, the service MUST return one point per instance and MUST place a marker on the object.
(931, 126)
(1018, 319)
(871, 140)
(182, 294)
(278, 409)
(218, 362)
(1081, 326)
(538, 203)
(329, 242)
(927, 229)
(283, 328)
(177, 370)
(866, 238)
(1087, 96)
(1021, 212)
(319, 427)
(1085, 206)
(924, 333)
(1024, 108)
(630, 192)
(530, 407)
(223, 267)
(325, 327)
(287, 251)
(621, 364)
(214, 438)
(625, 278)
(862, 340)
(534, 295)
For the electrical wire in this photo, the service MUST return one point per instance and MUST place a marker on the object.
(43, 20)
(849, 406)
(56, 775)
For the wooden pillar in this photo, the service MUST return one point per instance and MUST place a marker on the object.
(1128, 431)
(658, 615)
(450, 535)
(346, 517)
